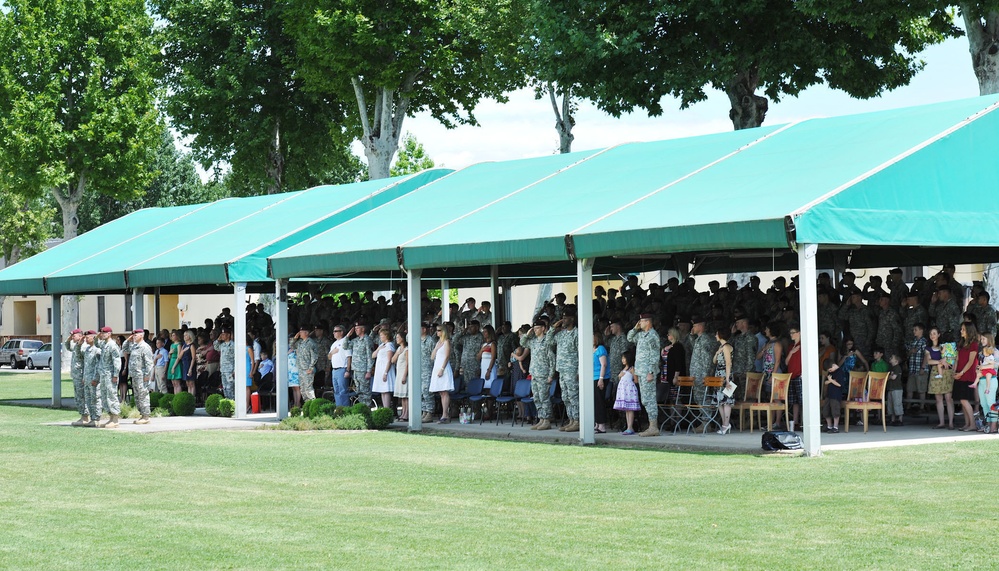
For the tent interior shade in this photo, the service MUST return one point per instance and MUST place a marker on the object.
(849, 180)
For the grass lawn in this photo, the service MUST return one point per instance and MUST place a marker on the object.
(74, 498)
(15, 386)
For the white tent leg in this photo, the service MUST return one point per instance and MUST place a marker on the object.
(584, 312)
(239, 331)
(57, 349)
(281, 347)
(810, 381)
(414, 313)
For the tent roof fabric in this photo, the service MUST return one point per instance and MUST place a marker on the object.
(227, 241)
(869, 179)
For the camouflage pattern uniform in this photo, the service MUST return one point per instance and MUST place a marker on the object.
(985, 317)
(91, 355)
(140, 368)
(889, 335)
(108, 367)
(566, 345)
(947, 318)
(647, 355)
(702, 364)
(361, 364)
(227, 366)
(427, 368)
(910, 317)
(859, 320)
(743, 354)
(469, 345)
(506, 344)
(76, 370)
(617, 345)
(306, 355)
(828, 321)
(540, 371)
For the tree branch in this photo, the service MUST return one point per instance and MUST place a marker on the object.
(362, 105)
(388, 100)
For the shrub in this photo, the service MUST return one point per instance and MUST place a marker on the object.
(160, 411)
(227, 407)
(351, 422)
(339, 411)
(361, 409)
(154, 399)
(128, 411)
(381, 418)
(313, 407)
(323, 422)
(212, 404)
(295, 423)
(327, 409)
(166, 402)
(295, 411)
(183, 404)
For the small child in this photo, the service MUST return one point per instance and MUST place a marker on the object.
(266, 370)
(988, 356)
(836, 377)
(893, 391)
(627, 392)
(879, 365)
(918, 382)
(160, 359)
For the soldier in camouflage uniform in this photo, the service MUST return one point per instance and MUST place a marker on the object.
(827, 319)
(858, 319)
(899, 291)
(227, 362)
(946, 314)
(306, 354)
(563, 337)
(540, 371)
(985, 314)
(108, 367)
(74, 346)
(617, 345)
(647, 355)
(91, 355)
(702, 361)
(912, 314)
(140, 368)
(743, 350)
(506, 344)
(361, 364)
(889, 335)
(427, 343)
(467, 344)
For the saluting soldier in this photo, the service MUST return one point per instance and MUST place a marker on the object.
(647, 355)
(427, 342)
(91, 354)
(540, 371)
(227, 362)
(140, 368)
(74, 344)
(361, 365)
(564, 338)
(306, 355)
(108, 367)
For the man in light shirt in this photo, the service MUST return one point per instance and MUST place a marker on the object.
(338, 354)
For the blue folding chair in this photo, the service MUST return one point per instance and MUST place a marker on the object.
(527, 400)
(495, 390)
(472, 388)
(520, 391)
(555, 397)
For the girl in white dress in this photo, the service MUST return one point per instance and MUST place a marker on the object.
(442, 379)
(401, 360)
(383, 380)
(487, 357)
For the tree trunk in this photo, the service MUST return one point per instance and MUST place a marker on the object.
(564, 120)
(983, 43)
(748, 109)
(275, 161)
(382, 125)
(69, 204)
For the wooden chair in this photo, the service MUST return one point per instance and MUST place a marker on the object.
(750, 395)
(679, 409)
(778, 399)
(875, 400)
(856, 389)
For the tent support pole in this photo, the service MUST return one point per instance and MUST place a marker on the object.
(445, 301)
(57, 349)
(281, 350)
(810, 381)
(493, 293)
(239, 330)
(138, 308)
(156, 311)
(584, 311)
(414, 318)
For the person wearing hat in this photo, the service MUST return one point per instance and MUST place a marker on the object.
(889, 333)
(827, 318)
(945, 313)
(74, 344)
(306, 354)
(617, 344)
(564, 338)
(338, 356)
(541, 371)
(985, 314)
(226, 348)
(140, 369)
(108, 368)
(702, 361)
(360, 365)
(647, 367)
(859, 320)
(91, 356)
(897, 289)
(323, 346)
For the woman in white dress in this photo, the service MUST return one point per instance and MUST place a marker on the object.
(401, 360)
(487, 357)
(442, 379)
(383, 380)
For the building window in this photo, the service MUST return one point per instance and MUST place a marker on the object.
(100, 311)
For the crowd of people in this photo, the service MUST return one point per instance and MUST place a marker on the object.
(929, 340)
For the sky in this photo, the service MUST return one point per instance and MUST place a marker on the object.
(525, 127)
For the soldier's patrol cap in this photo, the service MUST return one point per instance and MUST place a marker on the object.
(616, 320)
(697, 319)
(426, 325)
(540, 322)
(896, 271)
(106, 329)
(75, 331)
(303, 327)
(91, 332)
(226, 330)
(645, 316)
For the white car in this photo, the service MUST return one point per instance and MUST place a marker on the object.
(41, 358)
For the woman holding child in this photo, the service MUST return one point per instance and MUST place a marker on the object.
(941, 380)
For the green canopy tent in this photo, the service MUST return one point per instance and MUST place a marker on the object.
(878, 186)
(223, 245)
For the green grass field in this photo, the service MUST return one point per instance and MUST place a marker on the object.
(74, 498)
